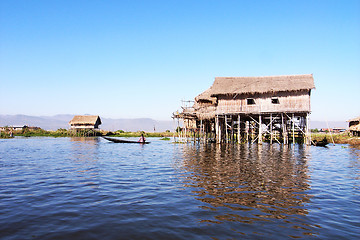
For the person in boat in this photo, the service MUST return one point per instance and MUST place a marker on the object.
(142, 139)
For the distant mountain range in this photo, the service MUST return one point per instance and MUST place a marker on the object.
(62, 121)
(133, 125)
(329, 124)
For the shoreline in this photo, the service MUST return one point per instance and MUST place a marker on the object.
(337, 138)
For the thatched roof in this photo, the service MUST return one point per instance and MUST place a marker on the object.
(354, 119)
(206, 112)
(87, 119)
(269, 84)
(354, 124)
(205, 96)
(355, 128)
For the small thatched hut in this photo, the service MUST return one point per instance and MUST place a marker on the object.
(354, 126)
(86, 122)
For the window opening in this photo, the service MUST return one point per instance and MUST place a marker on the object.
(250, 101)
(275, 101)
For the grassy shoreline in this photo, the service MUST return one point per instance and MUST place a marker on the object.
(90, 133)
(338, 138)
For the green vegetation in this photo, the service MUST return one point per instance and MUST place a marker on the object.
(138, 134)
(5, 135)
(340, 138)
(315, 130)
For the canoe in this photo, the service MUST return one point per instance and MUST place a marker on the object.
(319, 143)
(115, 140)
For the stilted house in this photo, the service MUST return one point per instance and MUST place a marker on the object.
(354, 126)
(188, 117)
(86, 122)
(244, 109)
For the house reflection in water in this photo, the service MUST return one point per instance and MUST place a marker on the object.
(88, 140)
(84, 153)
(247, 183)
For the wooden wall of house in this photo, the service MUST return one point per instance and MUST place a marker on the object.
(265, 103)
(82, 126)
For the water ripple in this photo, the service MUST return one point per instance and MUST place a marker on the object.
(88, 188)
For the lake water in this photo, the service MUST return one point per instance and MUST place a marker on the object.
(77, 188)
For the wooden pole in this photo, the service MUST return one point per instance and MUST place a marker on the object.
(283, 124)
(201, 129)
(271, 129)
(293, 128)
(260, 131)
(307, 127)
(239, 130)
(217, 129)
(247, 130)
(232, 130)
(226, 129)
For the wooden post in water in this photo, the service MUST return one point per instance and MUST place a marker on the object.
(201, 132)
(247, 130)
(226, 130)
(232, 130)
(308, 134)
(284, 129)
(217, 128)
(271, 130)
(293, 128)
(239, 130)
(260, 130)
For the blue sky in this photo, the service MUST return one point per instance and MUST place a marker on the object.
(132, 59)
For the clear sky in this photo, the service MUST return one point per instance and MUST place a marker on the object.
(131, 59)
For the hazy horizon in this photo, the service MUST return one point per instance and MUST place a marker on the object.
(126, 124)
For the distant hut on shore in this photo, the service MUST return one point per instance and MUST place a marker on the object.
(252, 108)
(85, 122)
(354, 126)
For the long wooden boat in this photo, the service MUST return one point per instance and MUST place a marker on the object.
(319, 143)
(115, 140)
